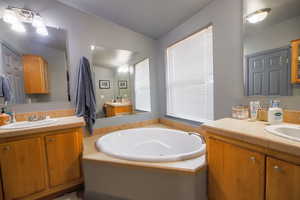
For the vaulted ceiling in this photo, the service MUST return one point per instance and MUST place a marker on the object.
(153, 18)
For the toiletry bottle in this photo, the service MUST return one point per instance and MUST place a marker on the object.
(275, 113)
(4, 118)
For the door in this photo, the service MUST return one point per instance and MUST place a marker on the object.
(22, 168)
(283, 180)
(63, 154)
(269, 73)
(234, 173)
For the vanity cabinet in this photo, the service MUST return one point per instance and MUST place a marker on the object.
(63, 153)
(22, 168)
(295, 44)
(35, 74)
(38, 165)
(241, 171)
(283, 180)
(234, 173)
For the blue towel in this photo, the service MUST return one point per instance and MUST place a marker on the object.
(5, 88)
(85, 96)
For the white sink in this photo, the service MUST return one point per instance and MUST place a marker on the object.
(27, 124)
(291, 132)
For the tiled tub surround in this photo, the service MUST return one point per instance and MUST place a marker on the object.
(108, 177)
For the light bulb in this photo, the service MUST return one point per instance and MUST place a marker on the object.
(9, 16)
(38, 21)
(18, 27)
(258, 15)
(42, 30)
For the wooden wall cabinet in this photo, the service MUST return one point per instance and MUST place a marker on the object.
(239, 171)
(38, 166)
(35, 74)
(295, 65)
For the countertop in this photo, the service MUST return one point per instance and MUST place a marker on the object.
(61, 123)
(253, 133)
(118, 104)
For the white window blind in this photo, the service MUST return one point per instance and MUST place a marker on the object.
(142, 86)
(189, 77)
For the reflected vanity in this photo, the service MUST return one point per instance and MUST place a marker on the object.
(121, 80)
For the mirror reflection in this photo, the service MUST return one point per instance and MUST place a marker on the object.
(271, 47)
(33, 65)
(122, 82)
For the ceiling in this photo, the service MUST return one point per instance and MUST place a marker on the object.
(153, 18)
(281, 10)
(106, 57)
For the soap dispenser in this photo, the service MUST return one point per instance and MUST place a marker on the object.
(275, 113)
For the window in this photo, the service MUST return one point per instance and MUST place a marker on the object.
(189, 76)
(142, 86)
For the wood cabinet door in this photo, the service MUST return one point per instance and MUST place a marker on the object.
(283, 180)
(35, 74)
(234, 173)
(64, 157)
(22, 168)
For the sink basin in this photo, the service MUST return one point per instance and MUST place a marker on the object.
(291, 132)
(27, 124)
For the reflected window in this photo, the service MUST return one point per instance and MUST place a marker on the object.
(142, 86)
(189, 77)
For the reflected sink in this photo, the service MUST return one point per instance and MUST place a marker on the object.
(27, 124)
(291, 132)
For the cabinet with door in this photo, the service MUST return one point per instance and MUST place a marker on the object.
(295, 57)
(238, 171)
(35, 167)
(35, 74)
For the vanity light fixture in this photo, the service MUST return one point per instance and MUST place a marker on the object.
(258, 15)
(18, 16)
(93, 47)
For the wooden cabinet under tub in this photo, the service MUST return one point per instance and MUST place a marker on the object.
(37, 165)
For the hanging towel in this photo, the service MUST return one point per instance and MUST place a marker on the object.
(5, 88)
(85, 96)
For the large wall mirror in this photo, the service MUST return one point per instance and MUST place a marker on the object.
(271, 47)
(122, 82)
(34, 65)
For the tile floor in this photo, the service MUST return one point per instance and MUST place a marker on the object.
(70, 196)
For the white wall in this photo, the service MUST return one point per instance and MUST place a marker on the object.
(274, 36)
(225, 16)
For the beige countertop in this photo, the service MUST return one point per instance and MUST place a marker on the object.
(61, 123)
(253, 133)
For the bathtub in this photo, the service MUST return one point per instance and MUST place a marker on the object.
(152, 145)
(146, 164)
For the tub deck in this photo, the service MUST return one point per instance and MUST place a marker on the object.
(191, 166)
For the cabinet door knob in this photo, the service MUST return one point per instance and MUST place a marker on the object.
(252, 158)
(51, 140)
(277, 168)
(6, 148)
